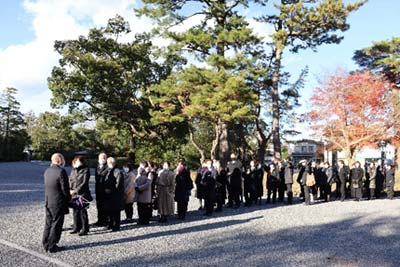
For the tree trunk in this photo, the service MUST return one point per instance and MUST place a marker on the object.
(213, 152)
(198, 148)
(275, 103)
(223, 144)
(350, 156)
(131, 152)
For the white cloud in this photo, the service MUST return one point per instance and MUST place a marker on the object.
(38, 103)
(27, 66)
(261, 29)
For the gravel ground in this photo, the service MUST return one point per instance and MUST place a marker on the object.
(365, 233)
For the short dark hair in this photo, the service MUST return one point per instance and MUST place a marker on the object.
(182, 161)
(80, 158)
(144, 163)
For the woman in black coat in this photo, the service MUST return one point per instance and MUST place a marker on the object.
(222, 182)
(79, 186)
(183, 187)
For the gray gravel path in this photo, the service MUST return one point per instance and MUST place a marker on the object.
(351, 233)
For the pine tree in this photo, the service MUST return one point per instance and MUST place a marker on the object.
(300, 24)
(225, 47)
(13, 134)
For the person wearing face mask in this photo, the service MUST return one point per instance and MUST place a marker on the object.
(343, 173)
(165, 186)
(258, 176)
(79, 184)
(129, 190)
(199, 187)
(305, 173)
(371, 176)
(272, 183)
(99, 175)
(248, 187)
(389, 178)
(183, 187)
(57, 196)
(288, 176)
(143, 185)
(208, 181)
(356, 181)
(114, 194)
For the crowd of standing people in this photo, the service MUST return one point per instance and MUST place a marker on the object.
(154, 188)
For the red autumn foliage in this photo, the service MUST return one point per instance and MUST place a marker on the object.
(352, 110)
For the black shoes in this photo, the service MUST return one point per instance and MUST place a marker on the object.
(83, 233)
(100, 223)
(74, 232)
(55, 249)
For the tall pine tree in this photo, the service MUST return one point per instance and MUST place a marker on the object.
(300, 24)
(222, 42)
(13, 136)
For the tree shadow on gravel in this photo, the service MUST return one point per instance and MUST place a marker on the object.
(349, 242)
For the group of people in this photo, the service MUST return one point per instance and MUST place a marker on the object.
(153, 188)
(318, 180)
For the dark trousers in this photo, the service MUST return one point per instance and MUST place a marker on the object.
(328, 191)
(101, 212)
(53, 227)
(81, 220)
(144, 212)
(281, 192)
(372, 193)
(356, 193)
(248, 197)
(273, 193)
(114, 219)
(220, 204)
(182, 209)
(289, 193)
(234, 197)
(129, 210)
(209, 205)
(390, 192)
(342, 190)
(301, 189)
(307, 194)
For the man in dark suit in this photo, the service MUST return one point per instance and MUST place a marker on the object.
(343, 173)
(389, 178)
(57, 195)
(288, 175)
(100, 174)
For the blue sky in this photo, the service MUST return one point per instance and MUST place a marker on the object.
(28, 29)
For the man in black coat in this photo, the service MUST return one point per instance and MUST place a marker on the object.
(100, 174)
(356, 181)
(389, 179)
(183, 187)
(57, 196)
(288, 175)
(343, 173)
(208, 181)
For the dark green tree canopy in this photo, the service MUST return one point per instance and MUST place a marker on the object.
(109, 78)
(13, 135)
(382, 57)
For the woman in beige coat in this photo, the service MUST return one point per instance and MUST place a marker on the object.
(165, 192)
(129, 192)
